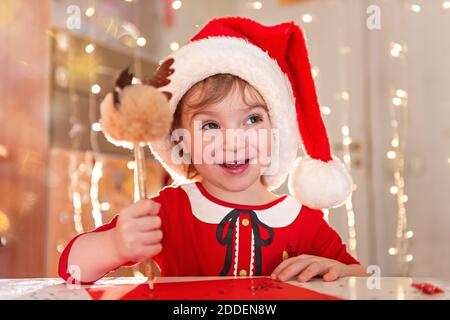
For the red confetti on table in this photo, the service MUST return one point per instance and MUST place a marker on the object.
(427, 288)
(260, 288)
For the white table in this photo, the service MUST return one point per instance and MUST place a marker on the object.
(391, 288)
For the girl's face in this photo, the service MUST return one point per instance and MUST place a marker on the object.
(230, 141)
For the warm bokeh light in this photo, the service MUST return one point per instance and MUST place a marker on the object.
(96, 89)
(141, 41)
(174, 46)
(90, 12)
(176, 4)
(90, 48)
(307, 18)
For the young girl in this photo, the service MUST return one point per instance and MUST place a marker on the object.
(234, 76)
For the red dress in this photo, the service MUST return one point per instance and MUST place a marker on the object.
(204, 236)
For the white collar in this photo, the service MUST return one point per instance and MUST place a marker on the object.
(211, 210)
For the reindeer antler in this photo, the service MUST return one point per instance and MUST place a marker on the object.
(159, 79)
(125, 79)
(161, 76)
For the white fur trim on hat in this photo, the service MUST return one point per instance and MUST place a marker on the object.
(318, 184)
(201, 59)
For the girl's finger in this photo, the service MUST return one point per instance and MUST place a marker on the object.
(150, 251)
(150, 238)
(314, 269)
(332, 274)
(294, 268)
(281, 266)
(148, 223)
(156, 206)
(306, 256)
(143, 208)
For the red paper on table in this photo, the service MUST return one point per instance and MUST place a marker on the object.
(228, 289)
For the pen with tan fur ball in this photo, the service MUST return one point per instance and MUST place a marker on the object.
(133, 116)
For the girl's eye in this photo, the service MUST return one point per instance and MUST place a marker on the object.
(254, 119)
(210, 125)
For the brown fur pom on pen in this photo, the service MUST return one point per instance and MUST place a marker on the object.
(143, 116)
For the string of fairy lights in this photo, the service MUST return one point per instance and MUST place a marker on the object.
(343, 98)
(95, 129)
(346, 139)
(398, 111)
(76, 168)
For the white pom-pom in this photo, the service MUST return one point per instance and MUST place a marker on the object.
(318, 184)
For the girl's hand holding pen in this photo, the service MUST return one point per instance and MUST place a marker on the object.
(138, 234)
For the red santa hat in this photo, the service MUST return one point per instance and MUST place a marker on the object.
(274, 60)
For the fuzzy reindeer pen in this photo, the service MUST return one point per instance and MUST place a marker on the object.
(133, 116)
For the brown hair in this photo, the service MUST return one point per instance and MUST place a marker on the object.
(212, 90)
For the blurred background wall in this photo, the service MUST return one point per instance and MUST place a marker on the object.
(24, 136)
(381, 69)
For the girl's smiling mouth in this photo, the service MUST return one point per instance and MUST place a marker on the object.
(236, 167)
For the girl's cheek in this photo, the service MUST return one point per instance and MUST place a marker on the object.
(264, 147)
(206, 149)
(264, 139)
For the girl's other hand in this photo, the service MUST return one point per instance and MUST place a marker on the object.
(304, 267)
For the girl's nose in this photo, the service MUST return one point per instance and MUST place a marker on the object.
(234, 140)
(234, 147)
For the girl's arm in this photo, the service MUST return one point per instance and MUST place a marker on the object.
(93, 255)
(136, 236)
